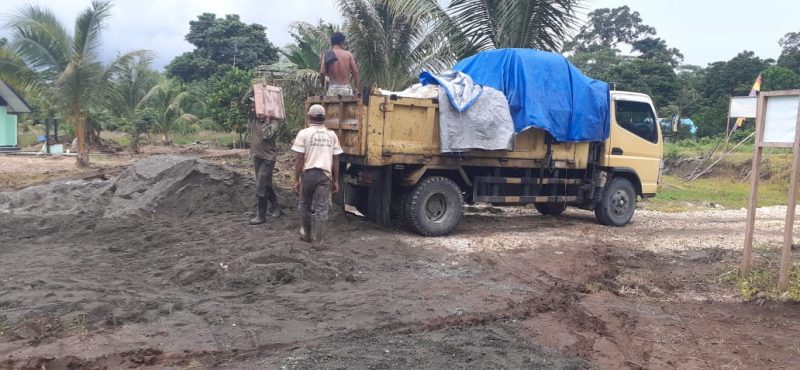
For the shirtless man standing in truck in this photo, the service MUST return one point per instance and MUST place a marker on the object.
(338, 65)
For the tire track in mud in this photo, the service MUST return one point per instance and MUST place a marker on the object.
(140, 358)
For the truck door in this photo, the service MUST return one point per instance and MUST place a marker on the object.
(634, 143)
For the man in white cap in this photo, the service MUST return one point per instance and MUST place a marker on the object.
(316, 174)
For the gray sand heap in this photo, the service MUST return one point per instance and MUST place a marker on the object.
(160, 184)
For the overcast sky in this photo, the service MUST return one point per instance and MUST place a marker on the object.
(705, 31)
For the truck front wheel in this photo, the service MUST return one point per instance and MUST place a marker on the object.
(434, 206)
(617, 204)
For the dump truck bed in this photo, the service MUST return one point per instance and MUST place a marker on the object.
(380, 130)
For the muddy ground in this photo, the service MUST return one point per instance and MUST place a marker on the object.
(158, 269)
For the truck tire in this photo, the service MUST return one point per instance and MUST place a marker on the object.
(550, 209)
(399, 207)
(617, 204)
(434, 206)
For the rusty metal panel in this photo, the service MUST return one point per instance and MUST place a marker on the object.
(343, 115)
(269, 102)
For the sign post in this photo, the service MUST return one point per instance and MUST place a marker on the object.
(777, 126)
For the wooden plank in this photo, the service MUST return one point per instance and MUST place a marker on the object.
(776, 145)
(747, 258)
(786, 253)
(268, 102)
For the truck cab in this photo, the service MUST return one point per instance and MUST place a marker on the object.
(634, 148)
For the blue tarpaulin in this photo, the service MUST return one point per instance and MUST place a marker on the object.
(544, 91)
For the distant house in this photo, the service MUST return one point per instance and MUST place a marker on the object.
(11, 104)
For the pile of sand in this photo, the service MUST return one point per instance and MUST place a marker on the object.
(160, 184)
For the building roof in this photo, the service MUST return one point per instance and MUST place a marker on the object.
(14, 102)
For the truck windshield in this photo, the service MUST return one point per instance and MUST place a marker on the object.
(638, 118)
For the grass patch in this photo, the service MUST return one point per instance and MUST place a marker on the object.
(223, 139)
(79, 323)
(5, 326)
(677, 195)
(763, 283)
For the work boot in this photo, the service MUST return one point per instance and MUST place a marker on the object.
(320, 229)
(274, 210)
(261, 212)
(305, 231)
(255, 211)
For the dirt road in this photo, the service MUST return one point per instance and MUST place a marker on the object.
(105, 286)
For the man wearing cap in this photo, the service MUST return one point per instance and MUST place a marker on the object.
(316, 174)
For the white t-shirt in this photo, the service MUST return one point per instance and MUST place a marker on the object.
(319, 145)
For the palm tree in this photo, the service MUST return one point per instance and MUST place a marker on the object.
(169, 103)
(131, 82)
(310, 42)
(393, 40)
(392, 44)
(477, 25)
(66, 64)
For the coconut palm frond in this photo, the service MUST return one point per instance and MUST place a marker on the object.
(88, 27)
(39, 39)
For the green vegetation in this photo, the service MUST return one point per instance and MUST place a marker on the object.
(59, 72)
(762, 282)
(50, 62)
(221, 43)
(675, 195)
(220, 139)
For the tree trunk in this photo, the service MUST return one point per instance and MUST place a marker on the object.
(135, 143)
(80, 132)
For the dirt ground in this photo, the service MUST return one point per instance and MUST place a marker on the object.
(158, 269)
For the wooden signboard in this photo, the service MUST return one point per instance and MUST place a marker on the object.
(777, 125)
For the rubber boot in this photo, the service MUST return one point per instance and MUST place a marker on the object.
(305, 231)
(274, 209)
(255, 211)
(320, 229)
(261, 212)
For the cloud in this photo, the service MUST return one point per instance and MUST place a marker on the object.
(161, 25)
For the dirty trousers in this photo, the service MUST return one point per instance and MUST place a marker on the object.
(264, 188)
(315, 194)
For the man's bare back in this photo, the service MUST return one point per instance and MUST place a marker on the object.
(339, 72)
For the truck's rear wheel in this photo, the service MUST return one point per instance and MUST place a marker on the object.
(550, 209)
(434, 206)
(617, 204)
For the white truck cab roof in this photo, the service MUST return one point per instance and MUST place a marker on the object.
(631, 96)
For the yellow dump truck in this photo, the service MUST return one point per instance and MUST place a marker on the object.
(393, 168)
